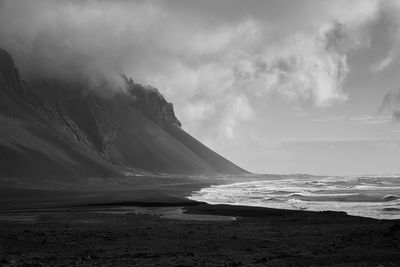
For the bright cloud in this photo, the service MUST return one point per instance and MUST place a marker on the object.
(211, 64)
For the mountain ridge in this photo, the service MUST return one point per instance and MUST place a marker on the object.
(67, 130)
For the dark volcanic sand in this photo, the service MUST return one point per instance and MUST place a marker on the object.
(73, 227)
(268, 237)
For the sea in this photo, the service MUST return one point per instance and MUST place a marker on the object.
(367, 196)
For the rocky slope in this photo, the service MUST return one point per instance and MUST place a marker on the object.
(58, 129)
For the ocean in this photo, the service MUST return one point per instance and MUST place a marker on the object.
(367, 196)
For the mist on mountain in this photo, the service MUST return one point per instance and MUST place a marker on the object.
(60, 129)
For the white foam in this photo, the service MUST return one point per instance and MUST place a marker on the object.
(364, 195)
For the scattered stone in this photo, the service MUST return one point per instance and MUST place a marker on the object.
(140, 255)
(262, 260)
(191, 254)
(233, 263)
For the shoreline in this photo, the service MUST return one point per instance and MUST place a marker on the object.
(154, 224)
(146, 191)
(128, 236)
(197, 208)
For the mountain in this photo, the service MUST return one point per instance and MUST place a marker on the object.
(53, 129)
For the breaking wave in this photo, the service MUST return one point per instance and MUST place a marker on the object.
(367, 196)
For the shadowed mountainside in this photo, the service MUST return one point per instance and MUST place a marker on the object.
(69, 130)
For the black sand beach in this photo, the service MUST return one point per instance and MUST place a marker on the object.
(148, 228)
(115, 114)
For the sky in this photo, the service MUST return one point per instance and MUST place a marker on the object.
(277, 86)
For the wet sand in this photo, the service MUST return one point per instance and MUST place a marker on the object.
(151, 236)
(160, 227)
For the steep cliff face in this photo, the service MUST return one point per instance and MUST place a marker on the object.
(152, 103)
(9, 73)
(31, 145)
(69, 130)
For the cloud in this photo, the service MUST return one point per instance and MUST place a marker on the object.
(214, 61)
(360, 120)
(383, 64)
(240, 110)
(337, 140)
(73, 39)
(371, 120)
(391, 104)
(305, 67)
(391, 9)
(330, 119)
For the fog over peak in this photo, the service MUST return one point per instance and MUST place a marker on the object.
(74, 39)
(69, 40)
(220, 63)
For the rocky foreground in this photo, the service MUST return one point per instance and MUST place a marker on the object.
(258, 237)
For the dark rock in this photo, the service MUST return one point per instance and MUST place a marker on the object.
(5, 261)
(105, 134)
(233, 263)
(152, 103)
(395, 227)
(262, 260)
(88, 255)
(9, 73)
(140, 255)
(191, 254)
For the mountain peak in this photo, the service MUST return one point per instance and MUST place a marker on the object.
(6, 65)
(152, 103)
(67, 130)
(8, 72)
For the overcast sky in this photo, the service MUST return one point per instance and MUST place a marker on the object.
(275, 86)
